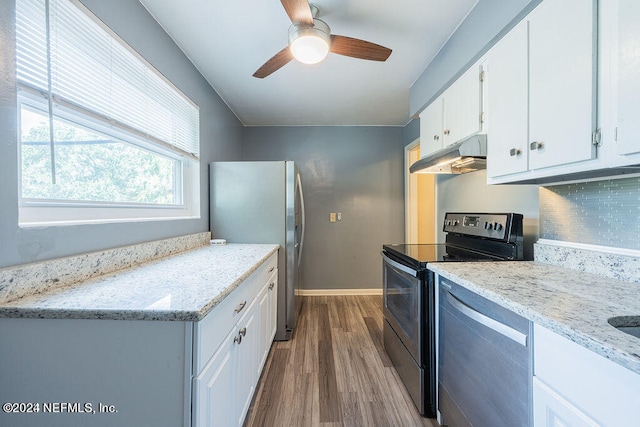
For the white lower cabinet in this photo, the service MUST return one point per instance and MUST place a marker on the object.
(217, 379)
(268, 306)
(224, 388)
(552, 410)
(575, 387)
(144, 372)
(228, 368)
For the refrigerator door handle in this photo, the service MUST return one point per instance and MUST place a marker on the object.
(299, 185)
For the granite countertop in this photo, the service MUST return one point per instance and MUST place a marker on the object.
(182, 287)
(571, 303)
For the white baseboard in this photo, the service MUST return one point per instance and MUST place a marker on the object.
(325, 292)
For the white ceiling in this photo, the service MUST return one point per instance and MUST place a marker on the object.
(228, 40)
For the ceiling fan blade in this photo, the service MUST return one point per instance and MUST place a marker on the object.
(276, 62)
(357, 48)
(299, 11)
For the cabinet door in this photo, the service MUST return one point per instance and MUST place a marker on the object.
(264, 310)
(214, 388)
(463, 107)
(551, 410)
(273, 308)
(628, 133)
(507, 104)
(561, 82)
(247, 361)
(431, 128)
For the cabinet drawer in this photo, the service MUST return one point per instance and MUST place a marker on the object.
(210, 331)
(597, 387)
(266, 269)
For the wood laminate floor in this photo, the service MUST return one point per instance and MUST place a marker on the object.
(334, 372)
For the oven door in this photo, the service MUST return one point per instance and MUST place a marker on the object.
(402, 292)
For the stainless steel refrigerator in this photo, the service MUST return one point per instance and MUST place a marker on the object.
(262, 202)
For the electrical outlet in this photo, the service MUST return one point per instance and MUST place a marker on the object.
(332, 217)
(339, 216)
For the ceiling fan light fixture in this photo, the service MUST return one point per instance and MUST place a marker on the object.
(310, 44)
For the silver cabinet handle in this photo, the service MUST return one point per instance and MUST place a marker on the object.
(399, 266)
(436, 137)
(238, 339)
(447, 131)
(239, 308)
(487, 321)
(271, 269)
(536, 145)
(515, 152)
(242, 332)
(271, 285)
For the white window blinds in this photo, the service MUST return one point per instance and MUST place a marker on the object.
(94, 72)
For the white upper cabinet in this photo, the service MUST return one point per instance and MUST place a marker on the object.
(463, 107)
(562, 84)
(507, 104)
(431, 136)
(541, 100)
(455, 115)
(628, 88)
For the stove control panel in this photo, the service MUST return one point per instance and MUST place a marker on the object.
(494, 226)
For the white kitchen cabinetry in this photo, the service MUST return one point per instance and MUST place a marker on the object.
(562, 84)
(268, 306)
(145, 372)
(575, 387)
(431, 136)
(231, 347)
(507, 104)
(463, 107)
(628, 78)
(217, 379)
(455, 115)
(558, 54)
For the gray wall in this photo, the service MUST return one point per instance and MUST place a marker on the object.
(354, 170)
(220, 134)
(487, 22)
(599, 213)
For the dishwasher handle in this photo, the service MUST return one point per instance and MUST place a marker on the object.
(487, 321)
(399, 266)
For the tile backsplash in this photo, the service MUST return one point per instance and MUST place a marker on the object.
(605, 213)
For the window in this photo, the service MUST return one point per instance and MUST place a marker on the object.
(103, 136)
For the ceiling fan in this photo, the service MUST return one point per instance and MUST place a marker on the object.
(310, 40)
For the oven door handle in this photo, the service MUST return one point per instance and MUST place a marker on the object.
(487, 321)
(399, 266)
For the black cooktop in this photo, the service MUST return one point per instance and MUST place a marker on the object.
(419, 255)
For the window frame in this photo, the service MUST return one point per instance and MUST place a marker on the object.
(45, 212)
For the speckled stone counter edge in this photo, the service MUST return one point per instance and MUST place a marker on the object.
(616, 266)
(28, 279)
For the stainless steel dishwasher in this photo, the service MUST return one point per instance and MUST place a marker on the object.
(485, 361)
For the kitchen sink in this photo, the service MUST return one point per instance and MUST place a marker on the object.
(627, 324)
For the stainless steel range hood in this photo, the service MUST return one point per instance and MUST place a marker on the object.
(468, 155)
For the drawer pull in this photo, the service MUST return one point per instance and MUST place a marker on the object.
(271, 285)
(515, 152)
(271, 269)
(242, 332)
(240, 307)
(238, 339)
